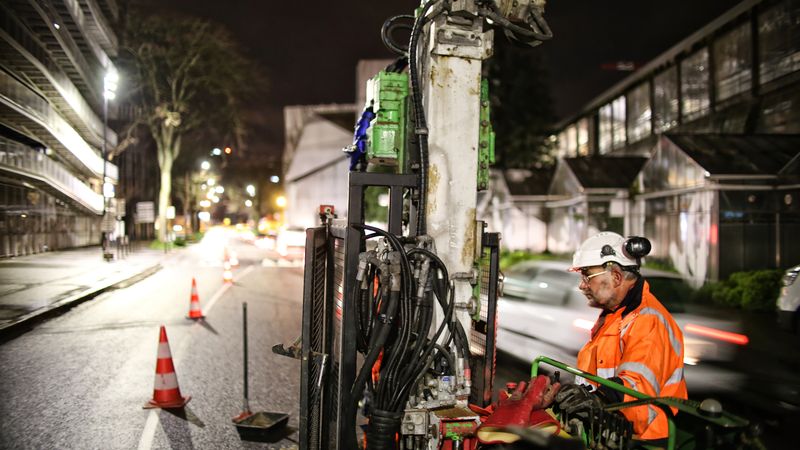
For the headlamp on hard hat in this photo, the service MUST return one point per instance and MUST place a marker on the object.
(637, 247)
(608, 247)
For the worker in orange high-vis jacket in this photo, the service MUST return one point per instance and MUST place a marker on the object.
(635, 341)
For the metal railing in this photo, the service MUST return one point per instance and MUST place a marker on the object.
(31, 51)
(35, 107)
(21, 159)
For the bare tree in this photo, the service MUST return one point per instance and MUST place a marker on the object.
(189, 77)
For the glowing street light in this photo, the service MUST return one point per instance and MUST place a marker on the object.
(274, 179)
(110, 84)
(216, 151)
(219, 189)
(280, 201)
(251, 190)
(248, 203)
(205, 165)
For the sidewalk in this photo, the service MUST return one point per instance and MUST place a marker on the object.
(33, 286)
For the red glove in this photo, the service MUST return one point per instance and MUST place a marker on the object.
(515, 409)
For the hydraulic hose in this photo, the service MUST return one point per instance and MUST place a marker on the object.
(423, 361)
(528, 34)
(384, 328)
(389, 27)
(419, 114)
(383, 427)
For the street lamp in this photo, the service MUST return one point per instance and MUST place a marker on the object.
(110, 83)
(205, 165)
(251, 190)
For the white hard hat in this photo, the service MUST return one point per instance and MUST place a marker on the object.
(602, 248)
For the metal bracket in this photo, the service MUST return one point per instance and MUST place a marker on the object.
(465, 39)
(293, 351)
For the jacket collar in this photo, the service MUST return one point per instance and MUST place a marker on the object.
(631, 301)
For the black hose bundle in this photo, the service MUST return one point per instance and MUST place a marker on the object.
(537, 29)
(383, 427)
(394, 307)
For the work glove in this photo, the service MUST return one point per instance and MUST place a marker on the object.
(576, 400)
(516, 408)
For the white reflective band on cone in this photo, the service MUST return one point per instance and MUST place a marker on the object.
(165, 381)
(163, 350)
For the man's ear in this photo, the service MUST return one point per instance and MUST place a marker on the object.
(619, 277)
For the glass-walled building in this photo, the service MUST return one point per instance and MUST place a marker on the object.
(737, 75)
(54, 55)
(718, 117)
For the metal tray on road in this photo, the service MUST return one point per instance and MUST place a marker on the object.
(260, 425)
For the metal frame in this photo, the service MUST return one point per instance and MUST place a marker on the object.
(483, 366)
(316, 337)
(328, 422)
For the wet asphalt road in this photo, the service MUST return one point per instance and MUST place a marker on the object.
(79, 380)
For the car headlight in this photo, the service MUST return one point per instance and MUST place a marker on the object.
(790, 276)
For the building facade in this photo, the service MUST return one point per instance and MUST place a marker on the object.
(54, 55)
(316, 170)
(718, 117)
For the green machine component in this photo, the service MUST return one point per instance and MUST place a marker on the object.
(485, 139)
(386, 136)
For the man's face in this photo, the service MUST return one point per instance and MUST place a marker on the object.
(597, 284)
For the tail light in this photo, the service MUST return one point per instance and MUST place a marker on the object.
(727, 336)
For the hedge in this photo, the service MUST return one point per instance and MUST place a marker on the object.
(756, 290)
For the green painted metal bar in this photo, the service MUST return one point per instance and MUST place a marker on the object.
(608, 383)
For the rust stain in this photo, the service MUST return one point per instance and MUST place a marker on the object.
(433, 184)
(468, 252)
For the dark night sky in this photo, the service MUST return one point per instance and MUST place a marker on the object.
(309, 49)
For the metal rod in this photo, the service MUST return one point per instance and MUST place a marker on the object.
(246, 404)
(611, 384)
(103, 181)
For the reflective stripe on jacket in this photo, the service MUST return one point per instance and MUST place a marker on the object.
(643, 347)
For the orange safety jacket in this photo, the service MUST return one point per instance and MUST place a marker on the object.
(638, 345)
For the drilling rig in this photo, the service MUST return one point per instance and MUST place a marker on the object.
(399, 324)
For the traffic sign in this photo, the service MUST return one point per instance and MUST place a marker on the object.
(145, 212)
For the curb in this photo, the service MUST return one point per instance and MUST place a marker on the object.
(23, 323)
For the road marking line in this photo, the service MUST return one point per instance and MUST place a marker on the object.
(149, 432)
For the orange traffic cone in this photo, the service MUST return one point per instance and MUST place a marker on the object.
(227, 273)
(194, 304)
(233, 259)
(166, 393)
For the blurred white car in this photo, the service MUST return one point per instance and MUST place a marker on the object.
(291, 242)
(789, 300)
(543, 313)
